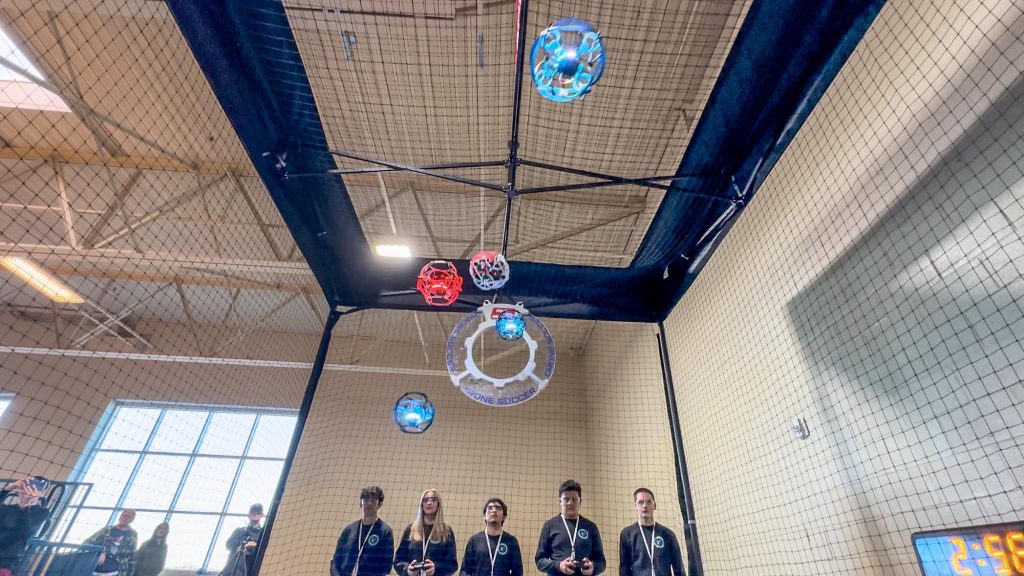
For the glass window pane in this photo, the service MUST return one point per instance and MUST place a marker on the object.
(178, 431)
(255, 484)
(156, 482)
(86, 524)
(207, 485)
(5, 401)
(220, 555)
(108, 473)
(273, 435)
(220, 551)
(189, 540)
(130, 428)
(227, 434)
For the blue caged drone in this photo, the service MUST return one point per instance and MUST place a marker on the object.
(413, 413)
(567, 59)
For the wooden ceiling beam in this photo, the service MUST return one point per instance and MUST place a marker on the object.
(165, 208)
(191, 279)
(91, 158)
(113, 208)
(264, 229)
(83, 109)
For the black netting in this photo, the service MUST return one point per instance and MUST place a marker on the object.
(159, 324)
(386, 79)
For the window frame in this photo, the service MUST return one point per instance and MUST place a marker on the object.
(95, 448)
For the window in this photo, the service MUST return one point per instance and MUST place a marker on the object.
(5, 401)
(20, 91)
(197, 467)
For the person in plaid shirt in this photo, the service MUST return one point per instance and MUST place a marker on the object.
(119, 542)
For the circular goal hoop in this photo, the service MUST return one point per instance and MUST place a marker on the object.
(467, 375)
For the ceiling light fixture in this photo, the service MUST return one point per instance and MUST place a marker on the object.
(41, 280)
(393, 250)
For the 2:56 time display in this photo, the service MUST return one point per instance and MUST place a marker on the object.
(996, 550)
(1005, 554)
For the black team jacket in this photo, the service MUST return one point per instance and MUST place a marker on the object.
(443, 554)
(555, 545)
(378, 550)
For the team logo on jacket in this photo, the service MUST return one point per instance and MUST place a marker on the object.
(583, 533)
(659, 542)
(502, 549)
(372, 540)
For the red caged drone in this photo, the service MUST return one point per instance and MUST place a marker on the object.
(439, 282)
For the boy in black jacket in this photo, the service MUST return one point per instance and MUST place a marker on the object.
(646, 549)
(366, 546)
(493, 552)
(569, 543)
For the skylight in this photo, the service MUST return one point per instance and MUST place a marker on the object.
(19, 91)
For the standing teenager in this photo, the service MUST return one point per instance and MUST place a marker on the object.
(427, 547)
(366, 546)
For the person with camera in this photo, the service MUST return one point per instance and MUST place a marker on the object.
(119, 542)
(366, 546)
(20, 519)
(242, 544)
(493, 552)
(427, 547)
(569, 543)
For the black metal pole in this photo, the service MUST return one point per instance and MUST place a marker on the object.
(644, 182)
(601, 175)
(695, 565)
(451, 166)
(513, 141)
(416, 170)
(300, 425)
(506, 225)
(517, 99)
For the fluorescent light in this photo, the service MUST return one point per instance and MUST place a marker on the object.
(393, 250)
(41, 280)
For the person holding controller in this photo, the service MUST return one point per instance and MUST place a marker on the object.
(570, 544)
(427, 547)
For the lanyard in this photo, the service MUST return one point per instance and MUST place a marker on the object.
(650, 549)
(426, 543)
(362, 543)
(572, 535)
(493, 556)
(362, 540)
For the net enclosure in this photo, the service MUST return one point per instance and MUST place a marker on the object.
(766, 263)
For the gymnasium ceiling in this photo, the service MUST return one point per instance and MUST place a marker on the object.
(162, 191)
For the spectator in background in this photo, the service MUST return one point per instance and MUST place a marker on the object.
(119, 542)
(243, 542)
(20, 519)
(152, 555)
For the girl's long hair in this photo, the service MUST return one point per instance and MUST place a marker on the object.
(418, 531)
(157, 529)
